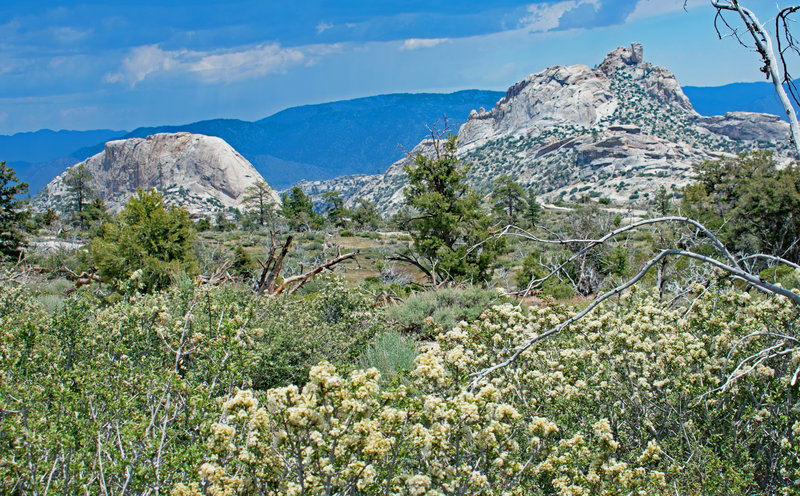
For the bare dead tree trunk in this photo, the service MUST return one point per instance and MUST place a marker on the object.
(764, 47)
(272, 268)
(268, 281)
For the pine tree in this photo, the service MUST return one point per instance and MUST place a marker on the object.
(532, 209)
(663, 204)
(334, 207)
(298, 210)
(79, 188)
(450, 221)
(12, 239)
(508, 200)
(366, 215)
(258, 197)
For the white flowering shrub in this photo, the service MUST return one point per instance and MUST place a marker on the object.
(638, 399)
(157, 392)
(344, 435)
(110, 398)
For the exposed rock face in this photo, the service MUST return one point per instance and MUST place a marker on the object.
(746, 126)
(619, 131)
(199, 173)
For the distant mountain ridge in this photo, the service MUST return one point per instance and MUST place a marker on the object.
(743, 97)
(42, 145)
(619, 131)
(338, 138)
(39, 156)
(314, 142)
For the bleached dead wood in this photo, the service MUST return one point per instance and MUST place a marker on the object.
(729, 264)
(294, 283)
(775, 64)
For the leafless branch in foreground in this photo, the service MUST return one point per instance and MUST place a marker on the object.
(731, 265)
(775, 66)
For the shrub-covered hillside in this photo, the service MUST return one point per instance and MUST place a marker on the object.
(207, 391)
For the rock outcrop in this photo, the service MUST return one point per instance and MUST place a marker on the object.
(619, 131)
(200, 173)
(749, 126)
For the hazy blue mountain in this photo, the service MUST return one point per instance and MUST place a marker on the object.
(45, 144)
(322, 141)
(313, 142)
(39, 156)
(748, 97)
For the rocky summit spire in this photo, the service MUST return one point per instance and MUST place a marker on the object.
(619, 131)
(622, 57)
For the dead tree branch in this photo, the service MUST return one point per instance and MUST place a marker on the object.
(272, 268)
(301, 279)
(775, 66)
(730, 265)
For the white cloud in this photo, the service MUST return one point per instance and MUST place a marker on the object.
(247, 64)
(143, 61)
(417, 43)
(323, 26)
(66, 35)
(236, 64)
(547, 16)
(78, 113)
(652, 8)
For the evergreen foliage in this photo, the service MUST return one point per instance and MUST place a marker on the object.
(662, 201)
(298, 210)
(12, 240)
(258, 198)
(366, 215)
(147, 239)
(508, 200)
(334, 208)
(78, 181)
(532, 209)
(754, 204)
(449, 220)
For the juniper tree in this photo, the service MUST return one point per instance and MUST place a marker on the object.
(449, 223)
(12, 239)
(149, 236)
(753, 204)
(508, 200)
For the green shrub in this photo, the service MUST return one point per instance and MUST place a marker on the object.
(389, 352)
(147, 239)
(627, 402)
(787, 276)
(314, 246)
(132, 379)
(422, 314)
(333, 323)
(242, 263)
(553, 287)
(137, 378)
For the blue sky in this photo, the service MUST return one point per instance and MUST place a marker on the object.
(94, 64)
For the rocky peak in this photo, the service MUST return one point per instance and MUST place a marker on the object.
(622, 57)
(199, 173)
(618, 131)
